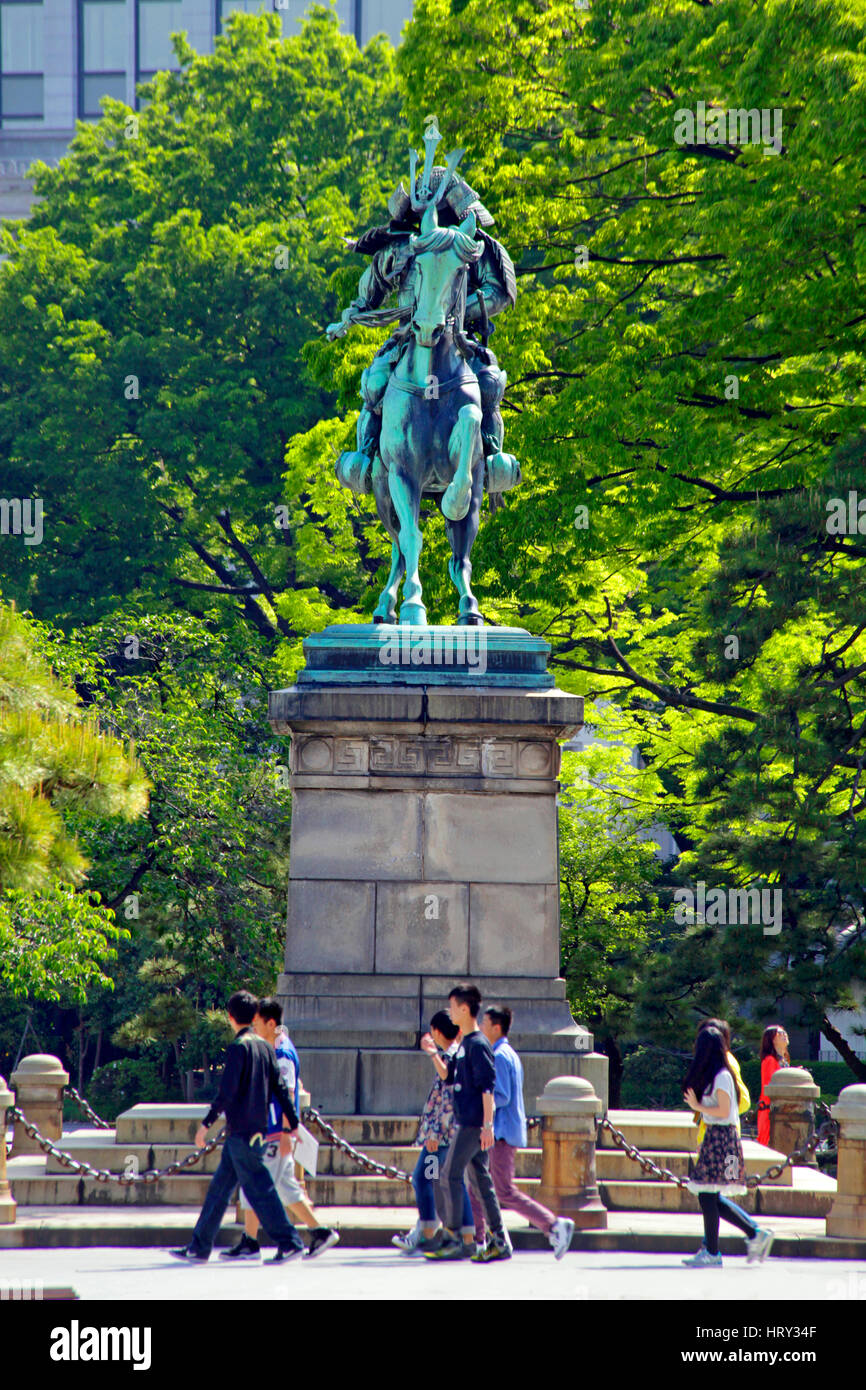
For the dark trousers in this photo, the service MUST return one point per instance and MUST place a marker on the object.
(715, 1207)
(242, 1162)
(465, 1151)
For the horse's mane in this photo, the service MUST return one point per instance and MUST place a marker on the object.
(444, 238)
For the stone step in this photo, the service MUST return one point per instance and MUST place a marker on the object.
(162, 1124)
(664, 1130)
(808, 1196)
(116, 1157)
(610, 1164)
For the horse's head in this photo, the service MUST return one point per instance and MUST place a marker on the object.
(442, 256)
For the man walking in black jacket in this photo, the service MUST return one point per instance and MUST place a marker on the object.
(250, 1077)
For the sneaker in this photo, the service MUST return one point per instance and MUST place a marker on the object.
(448, 1250)
(186, 1252)
(758, 1248)
(703, 1260)
(408, 1241)
(493, 1250)
(560, 1236)
(427, 1244)
(290, 1252)
(246, 1249)
(322, 1240)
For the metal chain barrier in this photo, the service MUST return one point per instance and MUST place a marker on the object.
(383, 1170)
(821, 1134)
(87, 1170)
(87, 1108)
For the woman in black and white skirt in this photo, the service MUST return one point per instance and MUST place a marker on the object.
(720, 1169)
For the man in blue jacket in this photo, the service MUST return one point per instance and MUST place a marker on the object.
(250, 1077)
(509, 1132)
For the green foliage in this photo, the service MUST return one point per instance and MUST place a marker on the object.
(608, 867)
(128, 1081)
(153, 312)
(56, 768)
(695, 381)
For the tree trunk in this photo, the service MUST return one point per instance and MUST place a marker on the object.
(98, 1051)
(843, 1048)
(614, 1056)
(81, 1051)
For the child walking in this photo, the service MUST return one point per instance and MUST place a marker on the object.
(710, 1088)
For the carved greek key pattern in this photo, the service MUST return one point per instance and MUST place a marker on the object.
(437, 756)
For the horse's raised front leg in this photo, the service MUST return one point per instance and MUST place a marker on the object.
(407, 505)
(464, 448)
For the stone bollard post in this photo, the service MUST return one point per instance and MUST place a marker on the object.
(792, 1094)
(847, 1216)
(569, 1188)
(38, 1083)
(7, 1201)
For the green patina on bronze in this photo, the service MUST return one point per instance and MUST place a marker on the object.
(430, 425)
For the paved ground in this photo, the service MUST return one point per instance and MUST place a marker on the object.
(359, 1275)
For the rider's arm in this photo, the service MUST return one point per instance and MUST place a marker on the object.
(494, 281)
(375, 285)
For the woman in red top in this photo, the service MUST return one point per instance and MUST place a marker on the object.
(774, 1054)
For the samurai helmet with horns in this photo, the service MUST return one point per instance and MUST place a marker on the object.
(439, 186)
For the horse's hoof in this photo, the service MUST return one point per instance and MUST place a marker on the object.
(455, 502)
(413, 613)
(502, 472)
(470, 620)
(389, 618)
(354, 470)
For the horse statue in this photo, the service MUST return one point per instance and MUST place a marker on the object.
(431, 426)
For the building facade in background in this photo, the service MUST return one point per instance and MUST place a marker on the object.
(58, 58)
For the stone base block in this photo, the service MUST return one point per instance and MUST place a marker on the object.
(385, 1081)
(847, 1217)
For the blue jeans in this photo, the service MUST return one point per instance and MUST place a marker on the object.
(424, 1184)
(242, 1162)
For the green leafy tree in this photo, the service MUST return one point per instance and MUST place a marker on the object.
(56, 937)
(152, 315)
(608, 900)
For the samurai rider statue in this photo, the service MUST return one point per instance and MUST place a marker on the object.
(430, 424)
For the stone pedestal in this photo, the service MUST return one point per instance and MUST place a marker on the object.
(792, 1094)
(7, 1201)
(847, 1216)
(424, 852)
(38, 1083)
(568, 1138)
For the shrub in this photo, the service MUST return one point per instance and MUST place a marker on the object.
(128, 1081)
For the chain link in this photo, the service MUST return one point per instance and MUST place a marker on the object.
(87, 1108)
(87, 1170)
(383, 1170)
(822, 1133)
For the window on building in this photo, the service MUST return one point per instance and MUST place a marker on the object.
(21, 65)
(104, 49)
(381, 17)
(157, 21)
(291, 12)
